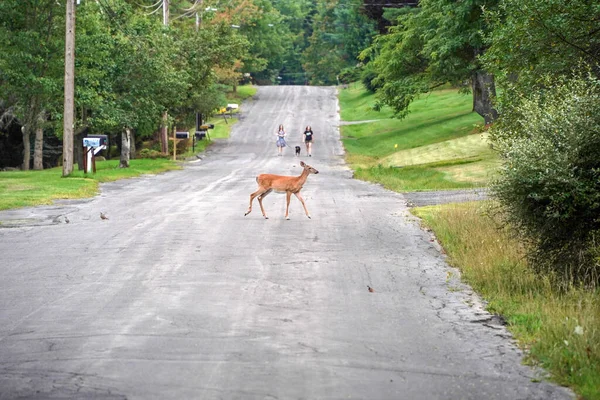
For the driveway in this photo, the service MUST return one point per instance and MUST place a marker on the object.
(178, 295)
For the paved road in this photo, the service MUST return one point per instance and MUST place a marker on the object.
(179, 296)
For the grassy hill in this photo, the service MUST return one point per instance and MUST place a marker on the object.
(439, 145)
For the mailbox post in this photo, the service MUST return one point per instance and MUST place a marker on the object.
(177, 136)
(92, 145)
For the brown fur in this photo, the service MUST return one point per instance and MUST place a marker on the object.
(281, 183)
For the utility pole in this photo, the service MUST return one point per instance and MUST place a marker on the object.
(68, 115)
(164, 140)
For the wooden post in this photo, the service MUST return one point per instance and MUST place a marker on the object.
(85, 159)
(69, 104)
(174, 143)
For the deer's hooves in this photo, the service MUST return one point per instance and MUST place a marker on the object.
(266, 217)
(309, 217)
(288, 218)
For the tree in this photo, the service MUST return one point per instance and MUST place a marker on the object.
(436, 43)
(530, 39)
(340, 33)
(32, 44)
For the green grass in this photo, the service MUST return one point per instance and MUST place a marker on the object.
(357, 105)
(439, 144)
(471, 146)
(414, 178)
(558, 328)
(34, 188)
(243, 92)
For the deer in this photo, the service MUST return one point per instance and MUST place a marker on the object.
(281, 184)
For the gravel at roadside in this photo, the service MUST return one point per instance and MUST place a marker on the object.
(430, 198)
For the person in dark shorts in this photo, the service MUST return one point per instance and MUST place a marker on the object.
(280, 139)
(308, 140)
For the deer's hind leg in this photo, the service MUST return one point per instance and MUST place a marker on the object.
(260, 199)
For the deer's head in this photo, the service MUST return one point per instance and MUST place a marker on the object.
(308, 168)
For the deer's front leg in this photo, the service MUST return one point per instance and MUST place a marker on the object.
(288, 196)
(260, 199)
(252, 197)
(303, 205)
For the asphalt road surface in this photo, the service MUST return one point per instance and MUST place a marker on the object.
(177, 295)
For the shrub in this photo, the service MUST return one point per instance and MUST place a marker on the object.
(349, 75)
(367, 78)
(149, 153)
(550, 178)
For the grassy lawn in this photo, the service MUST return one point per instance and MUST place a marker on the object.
(559, 328)
(34, 188)
(438, 145)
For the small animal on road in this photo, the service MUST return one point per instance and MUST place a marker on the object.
(282, 184)
(298, 151)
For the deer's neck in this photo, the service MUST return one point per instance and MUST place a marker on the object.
(303, 176)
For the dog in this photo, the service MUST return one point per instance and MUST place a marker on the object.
(298, 151)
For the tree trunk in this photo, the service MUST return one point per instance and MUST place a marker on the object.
(26, 148)
(164, 139)
(484, 90)
(132, 149)
(125, 140)
(78, 147)
(38, 151)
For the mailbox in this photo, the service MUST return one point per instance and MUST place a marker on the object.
(206, 127)
(91, 142)
(95, 140)
(182, 135)
(200, 135)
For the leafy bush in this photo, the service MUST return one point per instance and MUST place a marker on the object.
(550, 179)
(149, 153)
(350, 74)
(367, 78)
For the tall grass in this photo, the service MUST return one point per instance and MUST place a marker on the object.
(559, 328)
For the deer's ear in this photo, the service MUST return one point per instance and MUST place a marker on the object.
(302, 163)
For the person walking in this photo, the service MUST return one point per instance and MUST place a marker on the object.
(281, 139)
(308, 139)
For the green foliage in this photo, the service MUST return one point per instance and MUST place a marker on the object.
(436, 43)
(550, 180)
(31, 65)
(149, 153)
(350, 74)
(368, 78)
(533, 38)
(340, 33)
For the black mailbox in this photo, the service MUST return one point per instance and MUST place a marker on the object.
(182, 135)
(200, 135)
